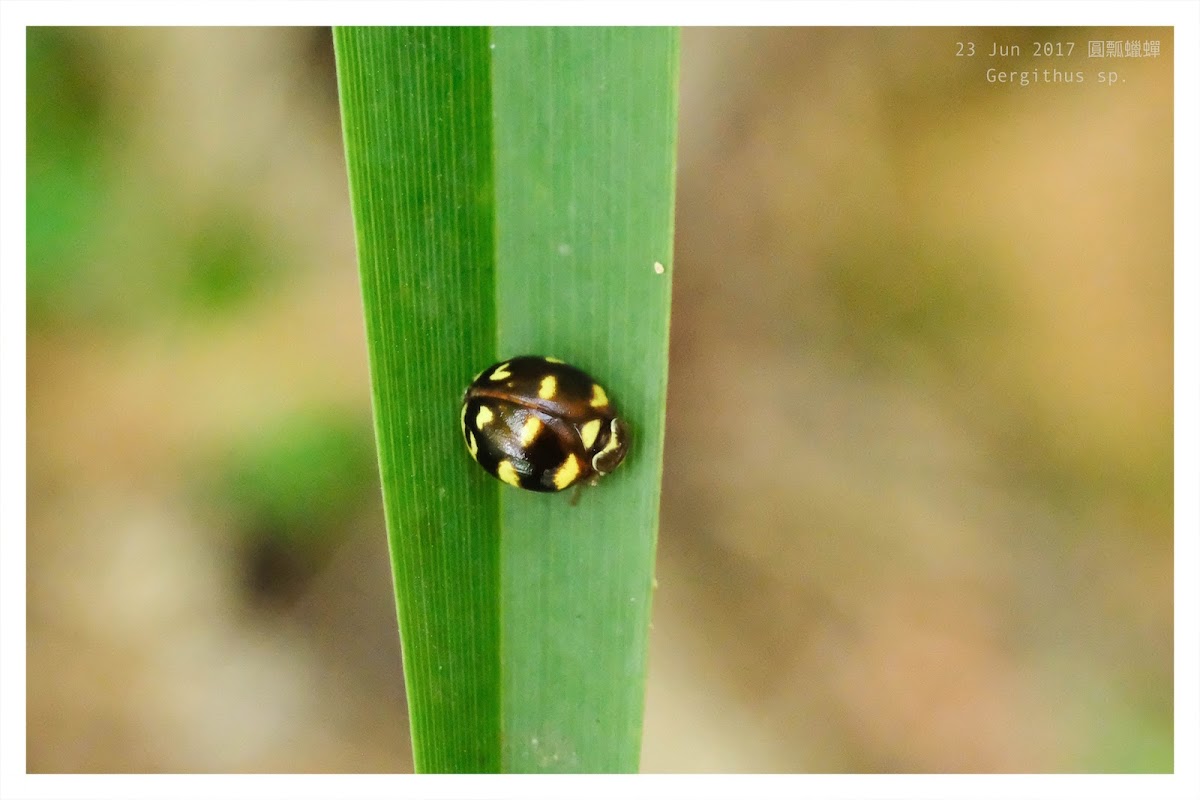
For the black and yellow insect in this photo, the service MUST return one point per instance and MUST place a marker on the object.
(540, 424)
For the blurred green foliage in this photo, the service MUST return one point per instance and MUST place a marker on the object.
(289, 495)
(225, 260)
(66, 125)
(1127, 732)
(300, 479)
(901, 297)
(88, 261)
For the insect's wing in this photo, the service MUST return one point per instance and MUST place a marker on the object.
(522, 446)
(559, 389)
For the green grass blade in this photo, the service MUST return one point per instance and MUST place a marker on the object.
(416, 111)
(585, 144)
(514, 195)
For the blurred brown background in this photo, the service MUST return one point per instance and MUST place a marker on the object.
(917, 508)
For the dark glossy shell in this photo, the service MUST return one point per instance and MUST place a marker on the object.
(541, 424)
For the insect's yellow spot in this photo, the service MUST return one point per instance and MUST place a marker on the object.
(463, 419)
(553, 360)
(472, 445)
(567, 473)
(548, 387)
(530, 430)
(589, 432)
(507, 473)
(484, 416)
(500, 373)
(599, 398)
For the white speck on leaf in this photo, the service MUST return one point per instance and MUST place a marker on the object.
(659, 268)
(564, 249)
